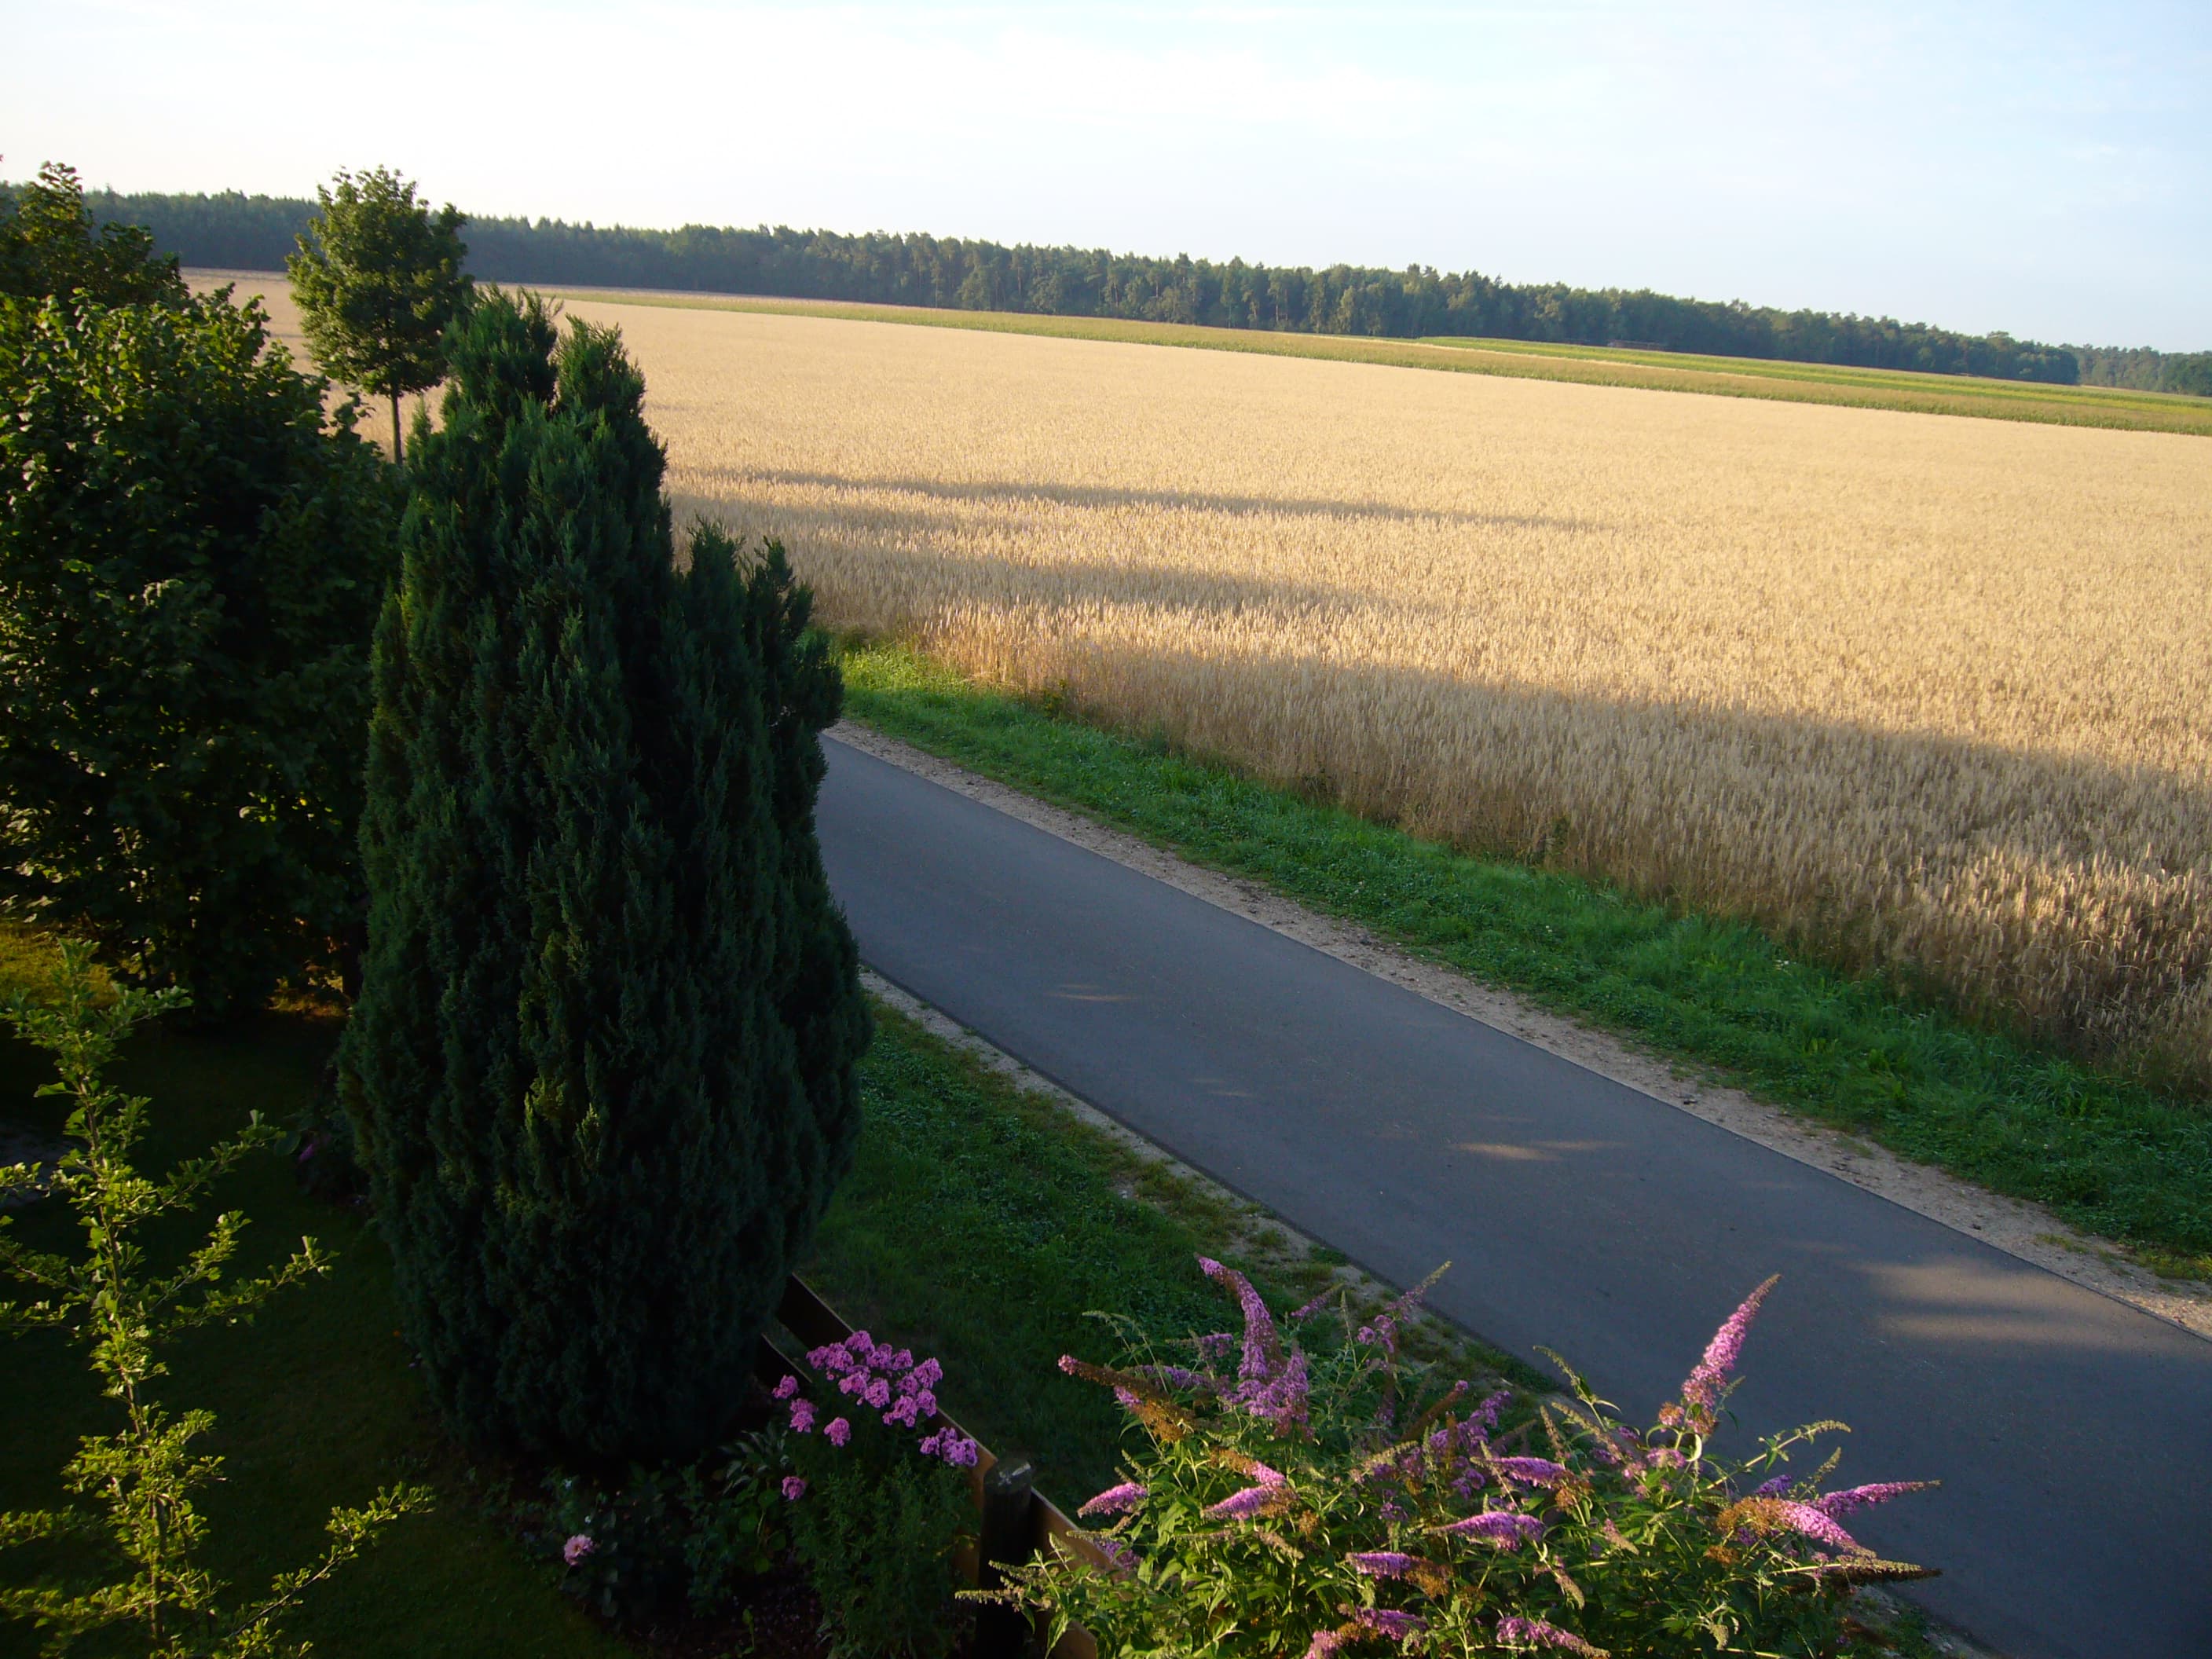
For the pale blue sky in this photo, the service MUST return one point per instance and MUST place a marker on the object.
(2046, 169)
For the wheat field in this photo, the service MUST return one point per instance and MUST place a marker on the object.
(1926, 693)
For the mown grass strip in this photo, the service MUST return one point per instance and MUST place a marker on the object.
(2108, 1154)
(1810, 383)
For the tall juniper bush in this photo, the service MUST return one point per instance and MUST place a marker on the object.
(602, 1067)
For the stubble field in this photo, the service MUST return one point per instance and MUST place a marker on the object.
(1925, 693)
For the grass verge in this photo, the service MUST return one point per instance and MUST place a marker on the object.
(2109, 1155)
(1724, 377)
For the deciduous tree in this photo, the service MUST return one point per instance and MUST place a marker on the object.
(191, 557)
(48, 246)
(378, 277)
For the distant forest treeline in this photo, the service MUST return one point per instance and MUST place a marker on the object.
(255, 233)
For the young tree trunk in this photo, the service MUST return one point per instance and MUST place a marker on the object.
(396, 457)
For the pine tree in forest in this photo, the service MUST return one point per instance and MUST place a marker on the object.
(601, 1067)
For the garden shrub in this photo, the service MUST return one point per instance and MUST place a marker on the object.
(690, 1536)
(1293, 1497)
(127, 1300)
(880, 1500)
(601, 1070)
(191, 557)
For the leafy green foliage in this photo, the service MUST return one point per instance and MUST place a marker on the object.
(663, 1538)
(125, 1310)
(378, 279)
(876, 1538)
(601, 1069)
(921, 270)
(881, 1498)
(49, 248)
(1295, 1498)
(191, 560)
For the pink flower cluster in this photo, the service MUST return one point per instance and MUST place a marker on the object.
(885, 1380)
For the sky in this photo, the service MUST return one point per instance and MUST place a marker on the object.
(2045, 169)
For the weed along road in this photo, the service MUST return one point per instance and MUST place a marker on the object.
(2073, 1434)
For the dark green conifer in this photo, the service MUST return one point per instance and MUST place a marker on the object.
(601, 1067)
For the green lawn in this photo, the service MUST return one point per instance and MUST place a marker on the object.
(979, 1222)
(1724, 377)
(2109, 1155)
(315, 1404)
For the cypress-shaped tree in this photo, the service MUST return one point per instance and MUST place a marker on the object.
(601, 1070)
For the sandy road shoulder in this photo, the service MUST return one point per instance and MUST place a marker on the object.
(2026, 1231)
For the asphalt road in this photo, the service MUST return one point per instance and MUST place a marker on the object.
(2073, 1434)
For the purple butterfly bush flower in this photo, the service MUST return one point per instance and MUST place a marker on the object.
(577, 1548)
(1385, 1621)
(1280, 1399)
(786, 1388)
(1307, 1310)
(793, 1488)
(1326, 1642)
(1859, 1497)
(1262, 1347)
(1381, 1564)
(1703, 1389)
(1484, 1418)
(1531, 1471)
(1776, 1487)
(1216, 1345)
(838, 1431)
(1519, 1632)
(1507, 1528)
(1242, 1505)
(1116, 1500)
(1811, 1522)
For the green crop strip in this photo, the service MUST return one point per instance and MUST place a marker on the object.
(2109, 1155)
(1723, 377)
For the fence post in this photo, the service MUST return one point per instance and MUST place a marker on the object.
(1008, 1539)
